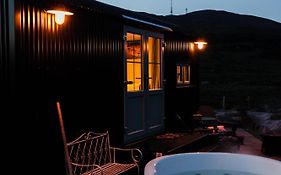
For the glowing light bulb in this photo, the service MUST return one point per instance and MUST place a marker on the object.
(59, 18)
(200, 44)
(59, 15)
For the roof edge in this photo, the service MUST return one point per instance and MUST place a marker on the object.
(148, 23)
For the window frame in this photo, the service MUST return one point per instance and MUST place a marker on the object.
(154, 63)
(183, 74)
(145, 35)
(134, 63)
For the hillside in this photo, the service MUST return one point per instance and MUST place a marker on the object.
(212, 23)
(242, 61)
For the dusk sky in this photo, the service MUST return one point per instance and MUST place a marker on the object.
(270, 9)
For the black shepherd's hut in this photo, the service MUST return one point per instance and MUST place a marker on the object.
(110, 69)
(181, 81)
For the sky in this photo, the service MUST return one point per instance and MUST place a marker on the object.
(270, 9)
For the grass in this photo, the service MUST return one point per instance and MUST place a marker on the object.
(244, 78)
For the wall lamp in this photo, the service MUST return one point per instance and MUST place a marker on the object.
(60, 12)
(200, 44)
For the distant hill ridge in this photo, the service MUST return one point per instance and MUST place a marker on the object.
(226, 18)
(216, 23)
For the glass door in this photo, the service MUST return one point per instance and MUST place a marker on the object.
(144, 95)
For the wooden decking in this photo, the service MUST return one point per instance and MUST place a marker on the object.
(252, 145)
(171, 143)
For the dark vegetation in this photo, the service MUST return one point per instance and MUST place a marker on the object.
(242, 61)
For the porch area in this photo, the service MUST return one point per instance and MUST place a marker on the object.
(245, 142)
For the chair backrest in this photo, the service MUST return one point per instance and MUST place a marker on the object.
(89, 149)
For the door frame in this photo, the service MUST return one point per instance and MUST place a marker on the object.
(145, 92)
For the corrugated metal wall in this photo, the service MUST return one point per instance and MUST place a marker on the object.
(79, 63)
(177, 49)
(74, 62)
(7, 56)
(181, 101)
(49, 51)
(4, 46)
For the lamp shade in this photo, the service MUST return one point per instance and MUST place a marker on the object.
(200, 44)
(60, 12)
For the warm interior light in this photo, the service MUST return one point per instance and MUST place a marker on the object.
(200, 44)
(59, 15)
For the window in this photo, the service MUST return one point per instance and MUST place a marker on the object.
(183, 74)
(154, 63)
(134, 62)
(143, 54)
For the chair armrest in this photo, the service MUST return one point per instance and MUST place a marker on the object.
(135, 153)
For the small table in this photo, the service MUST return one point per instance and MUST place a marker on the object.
(232, 124)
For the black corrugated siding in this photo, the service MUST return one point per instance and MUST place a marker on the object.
(4, 43)
(182, 101)
(7, 42)
(78, 63)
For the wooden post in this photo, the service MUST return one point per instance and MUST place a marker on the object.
(66, 153)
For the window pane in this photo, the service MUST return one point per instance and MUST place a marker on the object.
(154, 79)
(179, 77)
(154, 50)
(183, 74)
(134, 76)
(154, 63)
(186, 74)
(134, 62)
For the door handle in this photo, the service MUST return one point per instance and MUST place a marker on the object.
(128, 82)
(126, 129)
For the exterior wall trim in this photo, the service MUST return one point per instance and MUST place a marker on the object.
(149, 23)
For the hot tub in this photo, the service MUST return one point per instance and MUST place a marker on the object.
(212, 164)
